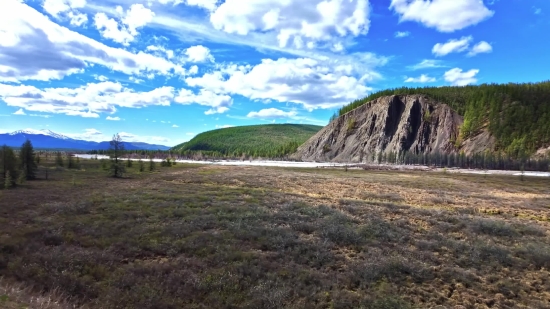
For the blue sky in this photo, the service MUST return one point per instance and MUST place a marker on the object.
(162, 71)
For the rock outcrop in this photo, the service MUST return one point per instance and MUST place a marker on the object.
(395, 124)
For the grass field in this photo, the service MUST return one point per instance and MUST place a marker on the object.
(194, 236)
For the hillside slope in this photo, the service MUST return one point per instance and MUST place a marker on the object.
(517, 116)
(392, 124)
(272, 140)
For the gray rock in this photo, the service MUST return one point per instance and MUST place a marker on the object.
(413, 123)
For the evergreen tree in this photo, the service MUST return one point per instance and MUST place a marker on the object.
(151, 164)
(70, 162)
(128, 163)
(116, 149)
(8, 181)
(8, 165)
(59, 159)
(26, 159)
(37, 159)
(141, 166)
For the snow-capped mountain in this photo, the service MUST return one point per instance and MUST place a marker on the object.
(40, 132)
(46, 139)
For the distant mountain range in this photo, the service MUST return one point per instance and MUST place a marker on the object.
(46, 139)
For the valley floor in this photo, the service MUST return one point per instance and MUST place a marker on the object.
(211, 236)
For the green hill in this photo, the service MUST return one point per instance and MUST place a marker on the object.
(517, 115)
(272, 140)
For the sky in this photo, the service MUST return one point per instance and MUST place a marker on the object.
(162, 71)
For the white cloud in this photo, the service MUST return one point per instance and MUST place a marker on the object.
(113, 118)
(271, 113)
(218, 103)
(452, 46)
(537, 10)
(225, 126)
(57, 7)
(296, 22)
(29, 40)
(175, 126)
(125, 30)
(199, 53)
(480, 48)
(20, 112)
(101, 78)
(205, 4)
(426, 64)
(98, 136)
(459, 78)
(161, 51)
(311, 83)
(421, 79)
(443, 15)
(66, 9)
(402, 34)
(86, 101)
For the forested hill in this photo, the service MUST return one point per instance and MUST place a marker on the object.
(517, 115)
(272, 140)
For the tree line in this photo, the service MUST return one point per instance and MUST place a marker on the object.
(486, 161)
(517, 115)
(17, 168)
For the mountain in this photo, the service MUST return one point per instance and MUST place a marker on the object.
(388, 124)
(511, 120)
(271, 140)
(46, 139)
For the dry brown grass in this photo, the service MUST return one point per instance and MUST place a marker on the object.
(250, 237)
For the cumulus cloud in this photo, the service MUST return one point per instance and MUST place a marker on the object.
(459, 78)
(295, 22)
(95, 135)
(66, 9)
(443, 15)
(452, 46)
(480, 48)
(218, 103)
(125, 29)
(427, 64)
(199, 53)
(271, 113)
(309, 82)
(402, 34)
(20, 112)
(421, 79)
(85, 101)
(113, 118)
(32, 47)
(175, 126)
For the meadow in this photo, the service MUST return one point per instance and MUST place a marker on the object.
(195, 236)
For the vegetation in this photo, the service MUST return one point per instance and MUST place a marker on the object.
(485, 161)
(116, 149)
(8, 163)
(268, 141)
(26, 159)
(196, 236)
(518, 115)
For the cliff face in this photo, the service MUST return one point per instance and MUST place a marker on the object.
(389, 124)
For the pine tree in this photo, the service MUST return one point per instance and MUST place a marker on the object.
(59, 159)
(70, 162)
(116, 149)
(8, 181)
(37, 159)
(26, 159)
(8, 165)
(151, 164)
(128, 163)
(141, 166)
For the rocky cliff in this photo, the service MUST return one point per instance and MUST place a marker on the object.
(412, 123)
